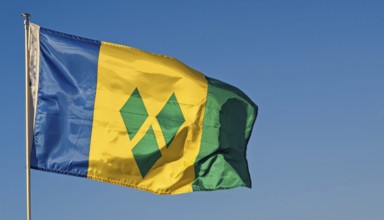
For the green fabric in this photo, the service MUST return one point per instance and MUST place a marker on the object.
(228, 121)
(146, 152)
(170, 119)
(134, 113)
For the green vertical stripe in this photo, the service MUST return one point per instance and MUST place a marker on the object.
(228, 122)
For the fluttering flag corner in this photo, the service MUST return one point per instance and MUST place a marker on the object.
(121, 115)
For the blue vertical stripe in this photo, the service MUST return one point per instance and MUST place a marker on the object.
(66, 95)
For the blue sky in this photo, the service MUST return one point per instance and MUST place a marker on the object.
(315, 68)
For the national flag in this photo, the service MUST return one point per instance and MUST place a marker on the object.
(121, 115)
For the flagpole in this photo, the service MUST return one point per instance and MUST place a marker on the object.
(27, 117)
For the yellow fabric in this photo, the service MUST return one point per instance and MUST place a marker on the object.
(121, 69)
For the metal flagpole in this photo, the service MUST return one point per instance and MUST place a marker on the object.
(27, 116)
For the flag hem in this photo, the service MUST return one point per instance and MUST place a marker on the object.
(115, 182)
(34, 66)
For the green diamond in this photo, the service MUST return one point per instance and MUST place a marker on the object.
(146, 152)
(170, 119)
(134, 113)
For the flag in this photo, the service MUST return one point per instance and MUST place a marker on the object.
(121, 115)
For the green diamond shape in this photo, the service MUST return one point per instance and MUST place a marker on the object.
(170, 119)
(146, 152)
(134, 113)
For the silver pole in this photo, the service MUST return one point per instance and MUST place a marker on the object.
(27, 116)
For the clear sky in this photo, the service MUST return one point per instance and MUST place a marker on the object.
(315, 69)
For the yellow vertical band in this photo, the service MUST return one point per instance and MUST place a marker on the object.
(121, 70)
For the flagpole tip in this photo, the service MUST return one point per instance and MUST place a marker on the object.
(26, 18)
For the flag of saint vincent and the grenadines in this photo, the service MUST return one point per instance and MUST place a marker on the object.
(121, 115)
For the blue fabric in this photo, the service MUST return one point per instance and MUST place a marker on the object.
(66, 95)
